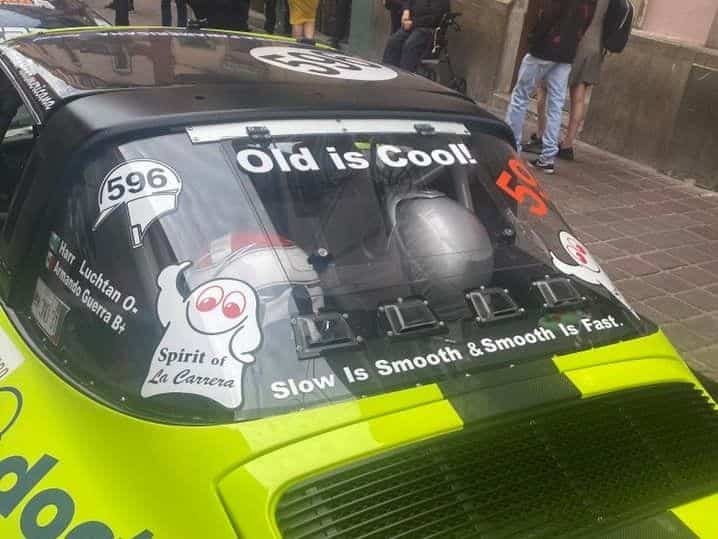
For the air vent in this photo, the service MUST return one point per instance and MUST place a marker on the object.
(578, 469)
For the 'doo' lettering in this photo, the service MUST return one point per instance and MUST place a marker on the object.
(91, 530)
(26, 479)
(65, 510)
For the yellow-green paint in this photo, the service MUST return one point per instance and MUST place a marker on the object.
(183, 482)
(639, 362)
(700, 516)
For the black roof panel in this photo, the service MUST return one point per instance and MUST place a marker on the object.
(254, 71)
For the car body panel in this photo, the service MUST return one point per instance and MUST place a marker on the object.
(261, 458)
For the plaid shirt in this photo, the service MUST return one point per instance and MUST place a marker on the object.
(560, 27)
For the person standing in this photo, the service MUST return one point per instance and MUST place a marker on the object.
(554, 44)
(342, 22)
(166, 9)
(418, 21)
(303, 16)
(585, 73)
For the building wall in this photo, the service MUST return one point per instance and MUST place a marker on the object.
(656, 105)
(689, 21)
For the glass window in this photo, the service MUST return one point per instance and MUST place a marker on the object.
(242, 276)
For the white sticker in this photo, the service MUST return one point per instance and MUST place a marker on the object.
(209, 338)
(323, 63)
(148, 189)
(588, 269)
(49, 310)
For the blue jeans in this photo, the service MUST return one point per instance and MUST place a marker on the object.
(555, 76)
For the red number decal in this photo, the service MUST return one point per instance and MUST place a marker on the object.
(525, 189)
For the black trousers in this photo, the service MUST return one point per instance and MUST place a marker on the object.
(122, 12)
(270, 16)
(343, 20)
(406, 49)
(166, 9)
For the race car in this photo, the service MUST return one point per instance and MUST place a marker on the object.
(253, 288)
(18, 17)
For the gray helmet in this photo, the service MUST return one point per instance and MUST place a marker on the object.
(445, 247)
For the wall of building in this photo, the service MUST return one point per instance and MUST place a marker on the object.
(689, 21)
(656, 105)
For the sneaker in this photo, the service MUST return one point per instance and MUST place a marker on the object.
(566, 154)
(540, 164)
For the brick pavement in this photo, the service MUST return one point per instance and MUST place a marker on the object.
(657, 237)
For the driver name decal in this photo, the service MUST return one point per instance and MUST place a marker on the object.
(148, 190)
(323, 63)
(209, 338)
(587, 268)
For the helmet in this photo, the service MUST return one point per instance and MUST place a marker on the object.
(445, 247)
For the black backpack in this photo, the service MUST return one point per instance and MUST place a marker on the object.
(617, 25)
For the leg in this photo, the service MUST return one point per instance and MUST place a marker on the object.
(578, 113)
(298, 31)
(414, 48)
(181, 13)
(243, 15)
(122, 13)
(270, 15)
(343, 17)
(309, 29)
(556, 84)
(284, 16)
(541, 104)
(525, 86)
(166, 10)
(392, 52)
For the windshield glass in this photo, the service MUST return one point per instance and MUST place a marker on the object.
(234, 272)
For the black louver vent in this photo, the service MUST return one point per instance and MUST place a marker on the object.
(572, 470)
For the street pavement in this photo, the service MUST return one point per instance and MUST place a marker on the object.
(656, 236)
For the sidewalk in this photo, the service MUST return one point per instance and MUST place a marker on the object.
(656, 236)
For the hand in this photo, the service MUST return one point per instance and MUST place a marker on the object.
(407, 25)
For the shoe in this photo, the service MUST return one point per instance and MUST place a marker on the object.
(534, 145)
(566, 154)
(540, 164)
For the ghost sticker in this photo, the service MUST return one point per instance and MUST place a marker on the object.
(148, 189)
(209, 338)
(588, 270)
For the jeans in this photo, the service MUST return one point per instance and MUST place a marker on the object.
(555, 76)
(406, 49)
(166, 8)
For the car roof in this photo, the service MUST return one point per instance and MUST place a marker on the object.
(176, 70)
(21, 16)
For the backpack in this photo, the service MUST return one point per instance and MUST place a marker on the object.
(617, 25)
